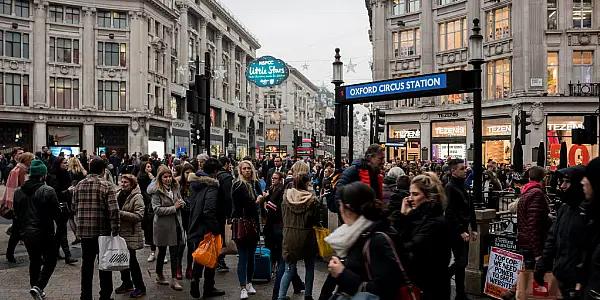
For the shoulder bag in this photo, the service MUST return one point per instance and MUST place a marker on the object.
(243, 228)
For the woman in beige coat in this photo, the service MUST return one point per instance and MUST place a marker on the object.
(131, 204)
(168, 229)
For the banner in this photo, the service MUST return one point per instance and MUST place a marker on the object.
(503, 270)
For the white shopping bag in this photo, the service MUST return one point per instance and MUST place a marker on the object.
(113, 254)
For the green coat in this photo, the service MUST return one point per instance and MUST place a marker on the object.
(301, 211)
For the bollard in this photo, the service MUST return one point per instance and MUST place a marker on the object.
(475, 277)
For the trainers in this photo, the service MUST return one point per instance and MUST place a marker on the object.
(137, 293)
(123, 289)
(250, 289)
(152, 257)
(244, 294)
(36, 293)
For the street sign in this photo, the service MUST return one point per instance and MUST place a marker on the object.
(410, 87)
(267, 71)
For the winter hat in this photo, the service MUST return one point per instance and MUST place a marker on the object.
(37, 169)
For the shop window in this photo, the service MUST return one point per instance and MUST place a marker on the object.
(112, 54)
(559, 129)
(16, 44)
(453, 34)
(582, 13)
(552, 13)
(552, 71)
(583, 66)
(64, 50)
(111, 95)
(499, 78)
(498, 23)
(407, 42)
(112, 19)
(64, 92)
(454, 98)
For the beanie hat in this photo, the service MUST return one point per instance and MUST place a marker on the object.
(37, 169)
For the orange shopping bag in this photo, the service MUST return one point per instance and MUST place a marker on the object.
(208, 251)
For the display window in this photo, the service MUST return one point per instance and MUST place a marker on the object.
(444, 151)
(498, 151)
(404, 151)
(216, 148)
(559, 129)
(63, 135)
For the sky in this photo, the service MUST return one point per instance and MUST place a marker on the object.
(306, 32)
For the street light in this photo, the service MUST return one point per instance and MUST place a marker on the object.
(476, 60)
(338, 80)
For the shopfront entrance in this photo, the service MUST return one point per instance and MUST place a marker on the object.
(110, 137)
(64, 139)
(404, 141)
(157, 140)
(496, 140)
(449, 140)
(180, 142)
(559, 130)
(14, 135)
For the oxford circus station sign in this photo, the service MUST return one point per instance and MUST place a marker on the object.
(267, 71)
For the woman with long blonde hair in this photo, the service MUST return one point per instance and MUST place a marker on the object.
(76, 170)
(244, 194)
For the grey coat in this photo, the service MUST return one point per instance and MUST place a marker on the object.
(131, 215)
(166, 217)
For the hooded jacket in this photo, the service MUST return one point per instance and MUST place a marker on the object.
(565, 242)
(358, 171)
(300, 210)
(591, 256)
(533, 221)
(204, 205)
(36, 207)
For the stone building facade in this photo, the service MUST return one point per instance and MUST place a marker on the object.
(541, 57)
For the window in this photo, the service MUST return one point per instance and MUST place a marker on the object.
(192, 50)
(499, 78)
(64, 92)
(582, 13)
(112, 19)
(552, 12)
(14, 89)
(6, 7)
(72, 15)
(22, 8)
(453, 35)
(407, 42)
(156, 61)
(17, 44)
(552, 70)
(111, 95)
(410, 102)
(401, 7)
(442, 2)
(56, 13)
(64, 50)
(498, 23)
(112, 54)
(583, 66)
(455, 98)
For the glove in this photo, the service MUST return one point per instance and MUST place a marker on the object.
(538, 276)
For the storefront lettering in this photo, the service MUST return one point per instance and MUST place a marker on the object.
(573, 160)
(215, 131)
(499, 129)
(411, 134)
(450, 131)
(448, 115)
(565, 127)
(177, 124)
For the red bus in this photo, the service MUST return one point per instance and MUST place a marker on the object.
(305, 150)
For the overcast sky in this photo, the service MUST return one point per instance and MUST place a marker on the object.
(307, 32)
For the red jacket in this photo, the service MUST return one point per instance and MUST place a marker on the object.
(533, 222)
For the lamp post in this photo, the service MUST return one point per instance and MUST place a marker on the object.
(476, 60)
(338, 80)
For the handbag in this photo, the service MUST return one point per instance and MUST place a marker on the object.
(243, 229)
(408, 291)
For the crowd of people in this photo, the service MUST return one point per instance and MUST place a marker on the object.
(400, 222)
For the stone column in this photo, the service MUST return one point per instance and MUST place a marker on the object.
(379, 35)
(232, 74)
(203, 40)
(219, 64)
(88, 138)
(39, 134)
(469, 132)
(89, 65)
(137, 90)
(39, 55)
(427, 38)
(184, 52)
(167, 70)
(521, 46)
(243, 84)
(474, 272)
(426, 137)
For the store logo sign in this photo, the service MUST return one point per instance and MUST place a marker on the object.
(565, 127)
(450, 131)
(267, 71)
(411, 134)
(499, 129)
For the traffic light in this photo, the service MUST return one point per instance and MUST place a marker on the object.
(314, 144)
(590, 124)
(516, 129)
(524, 124)
(196, 95)
(297, 139)
(379, 123)
(228, 138)
(330, 127)
(196, 134)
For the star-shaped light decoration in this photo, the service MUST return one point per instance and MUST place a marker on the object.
(305, 66)
(351, 67)
(220, 72)
(181, 70)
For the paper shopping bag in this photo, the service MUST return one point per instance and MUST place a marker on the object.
(229, 246)
(113, 254)
(528, 289)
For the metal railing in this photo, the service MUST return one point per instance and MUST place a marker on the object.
(584, 89)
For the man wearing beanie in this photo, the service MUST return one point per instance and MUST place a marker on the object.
(36, 207)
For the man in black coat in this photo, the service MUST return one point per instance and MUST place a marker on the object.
(277, 168)
(460, 213)
(204, 207)
(83, 158)
(225, 202)
(566, 240)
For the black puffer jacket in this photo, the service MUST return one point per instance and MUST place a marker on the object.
(385, 272)
(591, 257)
(565, 242)
(225, 183)
(460, 212)
(426, 239)
(36, 208)
(204, 195)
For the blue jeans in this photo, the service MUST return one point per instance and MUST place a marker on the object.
(290, 270)
(245, 269)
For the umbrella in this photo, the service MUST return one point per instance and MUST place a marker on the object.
(541, 155)
(563, 156)
(517, 157)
